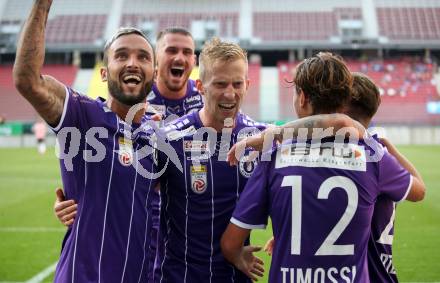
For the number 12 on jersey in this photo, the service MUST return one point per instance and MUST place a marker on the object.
(328, 247)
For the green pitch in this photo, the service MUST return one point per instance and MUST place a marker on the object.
(30, 237)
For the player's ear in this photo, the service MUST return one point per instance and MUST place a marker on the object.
(248, 83)
(200, 87)
(103, 74)
(303, 100)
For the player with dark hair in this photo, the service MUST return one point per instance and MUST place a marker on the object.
(323, 190)
(173, 95)
(363, 105)
(186, 260)
(98, 155)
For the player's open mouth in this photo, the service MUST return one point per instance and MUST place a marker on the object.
(227, 106)
(132, 79)
(177, 71)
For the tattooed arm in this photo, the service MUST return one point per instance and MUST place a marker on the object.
(317, 126)
(320, 125)
(45, 93)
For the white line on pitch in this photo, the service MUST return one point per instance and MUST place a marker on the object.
(31, 229)
(43, 274)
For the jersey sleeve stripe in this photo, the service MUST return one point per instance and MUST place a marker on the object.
(411, 179)
(247, 226)
(66, 100)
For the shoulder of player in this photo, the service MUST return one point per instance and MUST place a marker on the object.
(154, 95)
(179, 128)
(193, 94)
(85, 100)
(245, 121)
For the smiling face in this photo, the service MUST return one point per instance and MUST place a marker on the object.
(130, 69)
(175, 61)
(224, 85)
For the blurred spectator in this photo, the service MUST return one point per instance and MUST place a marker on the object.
(40, 131)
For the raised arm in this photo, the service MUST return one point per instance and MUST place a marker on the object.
(45, 93)
(417, 190)
(334, 122)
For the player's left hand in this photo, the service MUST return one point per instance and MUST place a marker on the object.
(249, 264)
(157, 117)
(237, 151)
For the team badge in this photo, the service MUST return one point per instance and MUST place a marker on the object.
(198, 178)
(247, 167)
(125, 152)
(173, 109)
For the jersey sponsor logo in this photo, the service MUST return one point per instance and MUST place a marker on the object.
(193, 110)
(244, 134)
(176, 134)
(198, 178)
(247, 167)
(328, 155)
(195, 146)
(193, 98)
(125, 153)
(156, 108)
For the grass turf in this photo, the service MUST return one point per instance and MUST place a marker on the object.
(28, 180)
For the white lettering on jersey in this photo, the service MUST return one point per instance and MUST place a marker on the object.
(319, 274)
(328, 155)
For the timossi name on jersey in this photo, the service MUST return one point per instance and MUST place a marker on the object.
(198, 202)
(321, 202)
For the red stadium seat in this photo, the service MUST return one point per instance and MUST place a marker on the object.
(13, 106)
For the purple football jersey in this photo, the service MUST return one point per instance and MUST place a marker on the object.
(108, 240)
(320, 198)
(198, 203)
(157, 103)
(380, 249)
(191, 102)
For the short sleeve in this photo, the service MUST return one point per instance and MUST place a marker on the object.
(252, 210)
(394, 180)
(71, 110)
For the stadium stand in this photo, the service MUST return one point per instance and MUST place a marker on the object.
(76, 29)
(228, 22)
(284, 26)
(82, 25)
(409, 23)
(251, 103)
(12, 105)
(96, 86)
(406, 86)
(285, 94)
